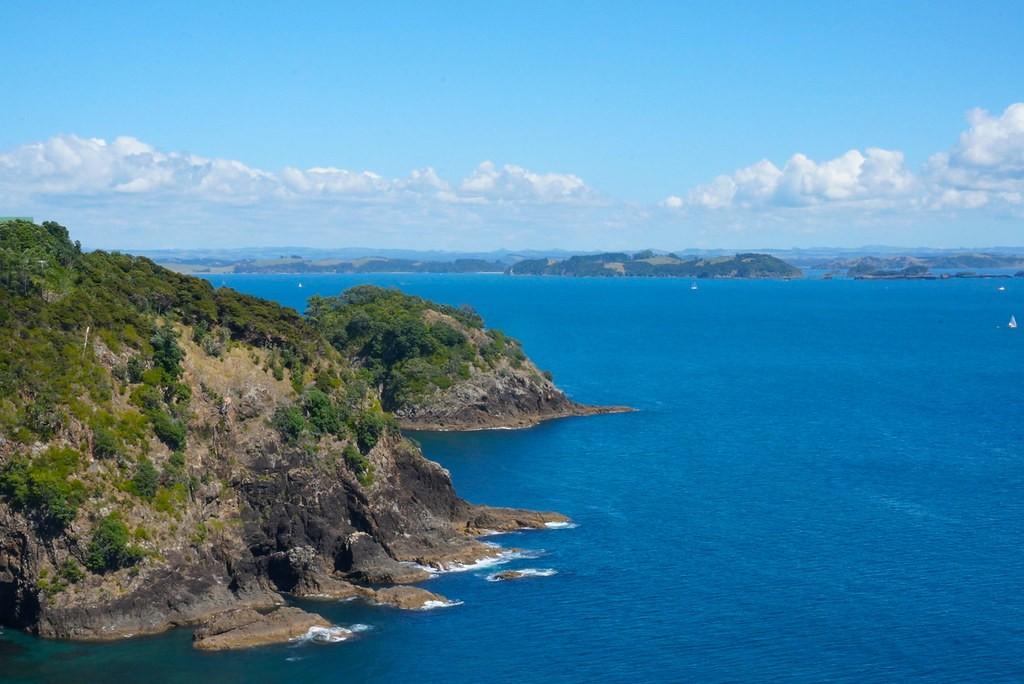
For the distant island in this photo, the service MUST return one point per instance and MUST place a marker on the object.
(650, 264)
(920, 267)
(868, 263)
(645, 264)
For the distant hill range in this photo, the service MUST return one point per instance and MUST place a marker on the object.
(921, 267)
(651, 264)
(647, 263)
(867, 262)
(368, 265)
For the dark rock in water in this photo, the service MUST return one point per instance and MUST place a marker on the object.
(246, 628)
(484, 519)
(508, 575)
(408, 598)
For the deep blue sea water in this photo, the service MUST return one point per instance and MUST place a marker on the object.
(823, 482)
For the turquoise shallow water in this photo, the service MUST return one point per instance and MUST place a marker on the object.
(823, 482)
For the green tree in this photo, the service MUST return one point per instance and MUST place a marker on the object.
(109, 548)
(44, 486)
(289, 422)
(145, 480)
(169, 431)
(105, 443)
(324, 415)
(167, 353)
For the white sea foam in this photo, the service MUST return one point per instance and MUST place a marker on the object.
(525, 572)
(431, 605)
(490, 561)
(561, 525)
(330, 635)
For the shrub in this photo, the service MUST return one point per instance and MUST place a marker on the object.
(135, 369)
(289, 422)
(70, 571)
(43, 486)
(324, 416)
(180, 393)
(174, 470)
(144, 481)
(170, 499)
(359, 464)
(167, 354)
(369, 427)
(109, 548)
(168, 431)
(105, 443)
(446, 334)
(44, 418)
(146, 397)
(153, 377)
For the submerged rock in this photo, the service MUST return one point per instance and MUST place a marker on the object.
(506, 575)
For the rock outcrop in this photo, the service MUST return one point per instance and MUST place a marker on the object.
(246, 628)
(506, 397)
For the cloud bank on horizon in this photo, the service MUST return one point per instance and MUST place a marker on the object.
(985, 168)
(127, 193)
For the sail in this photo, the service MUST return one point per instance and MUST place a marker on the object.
(1013, 322)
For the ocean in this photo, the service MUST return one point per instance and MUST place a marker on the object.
(824, 481)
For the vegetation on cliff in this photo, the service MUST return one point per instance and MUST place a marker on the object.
(91, 353)
(408, 345)
(169, 450)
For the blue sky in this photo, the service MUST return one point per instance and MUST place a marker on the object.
(607, 125)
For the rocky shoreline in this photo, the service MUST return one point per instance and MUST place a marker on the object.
(510, 422)
(509, 398)
(203, 456)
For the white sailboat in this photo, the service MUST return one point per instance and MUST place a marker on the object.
(1013, 323)
(693, 285)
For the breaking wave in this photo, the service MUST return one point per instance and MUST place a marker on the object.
(561, 525)
(524, 572)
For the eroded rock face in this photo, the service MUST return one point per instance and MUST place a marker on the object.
(504, 398)
(158, 599)
(365, 560)
(266, 519)
(19, 557)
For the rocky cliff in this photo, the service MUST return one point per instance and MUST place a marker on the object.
(437, 366)
(170, 452)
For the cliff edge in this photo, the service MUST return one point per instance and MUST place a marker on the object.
(171, 452)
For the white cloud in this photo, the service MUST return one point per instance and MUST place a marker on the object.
(127, 193)
(986, 166)
(984, 169)
(516, 183)
(852, 177)
(993, 142)
(70, 165)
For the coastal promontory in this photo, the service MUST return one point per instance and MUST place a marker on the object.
(171, 451)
